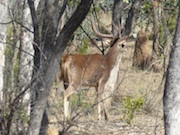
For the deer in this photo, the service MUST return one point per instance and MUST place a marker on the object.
(90, 70)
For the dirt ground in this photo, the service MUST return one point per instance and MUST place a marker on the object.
(134, 83)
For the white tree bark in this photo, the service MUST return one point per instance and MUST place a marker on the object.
(171, 97)
(3, 19)
(26, 67)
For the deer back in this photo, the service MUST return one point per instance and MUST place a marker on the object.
(83, 69)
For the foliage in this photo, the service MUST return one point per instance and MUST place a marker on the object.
(131, 105)
(73, 2)
(84, 48)
(170, 11)
(145, 19)
(126, 1)
(82, 38)
(105, 5)
(78, 101)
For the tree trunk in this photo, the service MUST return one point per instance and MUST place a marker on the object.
(168, 45)
(47, 59)
(155, 5)
(171, 99)
(155, 48)
(117, 15)
(131, 17)
(3, 19)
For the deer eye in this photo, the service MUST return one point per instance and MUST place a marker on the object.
(122, 45)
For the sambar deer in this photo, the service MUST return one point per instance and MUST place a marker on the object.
(92, 70)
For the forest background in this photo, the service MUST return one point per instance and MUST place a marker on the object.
(34, 36)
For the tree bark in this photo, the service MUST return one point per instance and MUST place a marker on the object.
(47, 55)
(131, 17)
(171, 99)
(155, 5)
(117, 15)
(3, 18)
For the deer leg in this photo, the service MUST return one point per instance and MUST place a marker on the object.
(104, 101)
(107, 99)
(103, 113)
(66, 108)
(106, 113)
(100, 110)
(69, 91)
(99, 105)
(100, 102)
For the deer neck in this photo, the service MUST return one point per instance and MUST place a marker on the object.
(112, 55)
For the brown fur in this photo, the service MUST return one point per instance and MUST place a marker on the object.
(143, 52)
(93, 70)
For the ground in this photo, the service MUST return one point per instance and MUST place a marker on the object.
(134, 83)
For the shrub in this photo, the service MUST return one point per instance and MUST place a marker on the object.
(131, 105)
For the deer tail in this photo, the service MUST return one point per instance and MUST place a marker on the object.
(64, 68)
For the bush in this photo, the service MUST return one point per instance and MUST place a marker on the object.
(131, 105)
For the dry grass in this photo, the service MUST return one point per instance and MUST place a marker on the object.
(133, 83)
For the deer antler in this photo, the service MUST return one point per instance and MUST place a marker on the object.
(118, 28)
(101, 34)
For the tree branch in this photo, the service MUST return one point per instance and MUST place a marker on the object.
(131, 17)
(73, 23)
